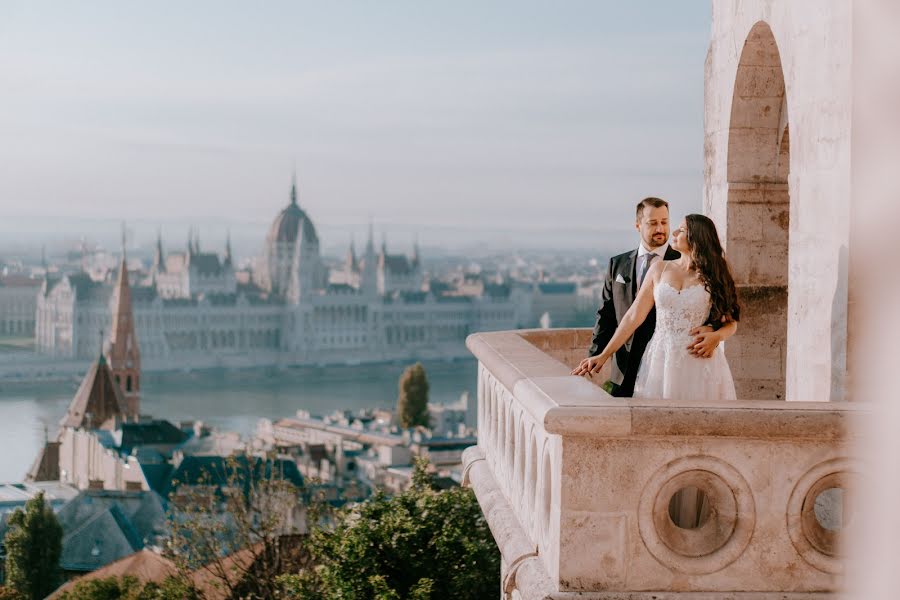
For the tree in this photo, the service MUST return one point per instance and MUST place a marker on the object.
(238, 528)
(33, 547)
(412, 404)
(422, 544)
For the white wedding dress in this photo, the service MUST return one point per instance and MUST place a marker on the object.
(667, 370)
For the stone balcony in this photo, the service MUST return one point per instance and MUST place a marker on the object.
(576, 485)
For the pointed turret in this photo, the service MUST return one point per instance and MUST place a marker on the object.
(294, 188)
(352, 263)
(159, 257)
(370, 242)
(369, 278)
(123, 353)
(98, 403)
(228, 258)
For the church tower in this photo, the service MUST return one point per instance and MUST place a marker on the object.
(123, 353)
(229, 259)
(159, 257)
(369, 276)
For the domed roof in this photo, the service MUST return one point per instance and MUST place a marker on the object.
(288, 222)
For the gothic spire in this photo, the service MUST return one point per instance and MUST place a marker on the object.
(124, 355)
(294, 188)
(99, 402)
(370, 242)
(352, 262)
(159, 257)
(228, 257)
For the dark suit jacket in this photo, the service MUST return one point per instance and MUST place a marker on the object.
(617, 299)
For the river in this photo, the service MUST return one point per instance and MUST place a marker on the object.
(232, 401)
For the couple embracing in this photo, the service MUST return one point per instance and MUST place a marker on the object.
(665, 311)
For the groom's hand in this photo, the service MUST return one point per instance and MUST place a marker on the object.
(706, 340)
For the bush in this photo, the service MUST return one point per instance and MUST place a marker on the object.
(421, 544)
(130, 588)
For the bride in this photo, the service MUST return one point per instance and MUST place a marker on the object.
(695, 290)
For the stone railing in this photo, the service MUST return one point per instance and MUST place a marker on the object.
(576, 485)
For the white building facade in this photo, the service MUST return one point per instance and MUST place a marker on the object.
(193, 314)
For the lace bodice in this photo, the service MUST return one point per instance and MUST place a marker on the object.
(677, 312)
(667, 369)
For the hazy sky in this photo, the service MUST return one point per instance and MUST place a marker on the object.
(526, 116)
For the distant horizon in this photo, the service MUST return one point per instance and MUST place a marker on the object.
(57, 235)
(514, 117)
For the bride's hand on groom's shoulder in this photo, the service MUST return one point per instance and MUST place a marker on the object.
(705, 341)
(589, 366)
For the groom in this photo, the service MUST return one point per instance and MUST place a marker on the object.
(623, 279)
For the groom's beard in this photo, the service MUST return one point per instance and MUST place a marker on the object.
(657, 241)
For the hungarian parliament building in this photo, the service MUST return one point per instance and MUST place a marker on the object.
(192, 310)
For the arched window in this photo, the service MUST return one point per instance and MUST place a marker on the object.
(758, 217)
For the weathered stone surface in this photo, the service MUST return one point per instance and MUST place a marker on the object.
(588, 479)
(799, 158)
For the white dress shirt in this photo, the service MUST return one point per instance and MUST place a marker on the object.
(660, 252)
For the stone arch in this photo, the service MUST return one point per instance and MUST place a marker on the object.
(758, 217)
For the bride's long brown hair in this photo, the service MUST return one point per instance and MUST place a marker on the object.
(708, 259)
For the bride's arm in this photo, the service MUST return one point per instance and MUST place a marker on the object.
(636, 315)
(727, 330)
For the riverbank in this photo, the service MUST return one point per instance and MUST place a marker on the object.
(228, 400)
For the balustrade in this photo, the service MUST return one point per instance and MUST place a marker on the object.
(577, 486)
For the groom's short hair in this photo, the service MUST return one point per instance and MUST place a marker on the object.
(648, 202)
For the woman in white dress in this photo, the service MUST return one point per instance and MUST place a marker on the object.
(695, 290)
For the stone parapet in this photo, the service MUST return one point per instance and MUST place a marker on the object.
(576, 485)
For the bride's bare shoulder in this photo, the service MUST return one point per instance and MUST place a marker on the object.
(657, 268)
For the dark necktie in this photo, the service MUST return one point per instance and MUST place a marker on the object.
(648, 258)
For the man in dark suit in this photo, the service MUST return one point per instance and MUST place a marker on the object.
(623, 279)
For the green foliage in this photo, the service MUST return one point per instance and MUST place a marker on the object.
(7, 593)
(422, 544)
(130, 588)
(172, 588)
(110, 588)
(412, 404)
(33, 547)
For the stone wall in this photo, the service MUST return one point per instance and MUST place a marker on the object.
(777, 183)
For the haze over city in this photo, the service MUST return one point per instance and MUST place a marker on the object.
(510, 123)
